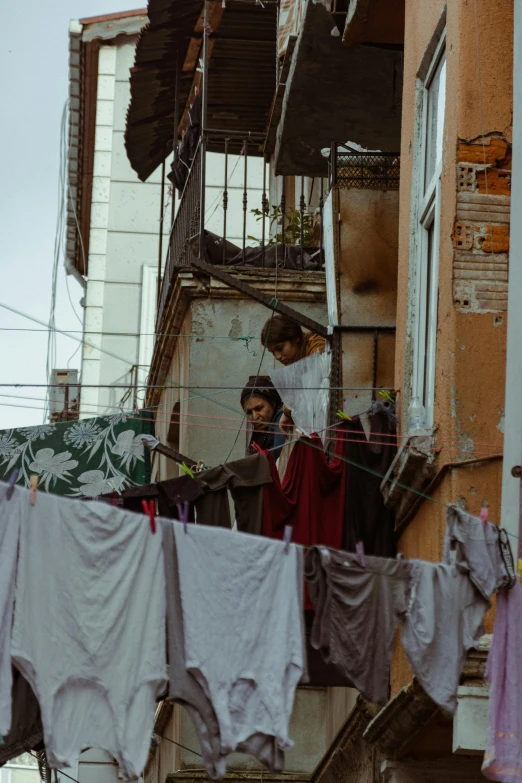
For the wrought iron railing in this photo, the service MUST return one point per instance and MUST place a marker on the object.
(351, 168)
(288, 238)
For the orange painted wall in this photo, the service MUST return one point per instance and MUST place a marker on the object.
(469, 397)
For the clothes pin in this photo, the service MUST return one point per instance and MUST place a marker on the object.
(183, 513)
(185, 468)
(359, 549)
(33, 484)
(11, 484)
(484, 513)
(287, 537)
(149, 510)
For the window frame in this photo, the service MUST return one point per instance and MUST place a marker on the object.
(426, 220)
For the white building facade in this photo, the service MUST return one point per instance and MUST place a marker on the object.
(113, 226)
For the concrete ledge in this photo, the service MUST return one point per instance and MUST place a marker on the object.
(254, 775)
(470, 724)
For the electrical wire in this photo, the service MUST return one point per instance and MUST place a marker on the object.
(222, 191)
(58, 770)
(165, 386)
(252, 393)
(194, 335)
(184, 418)
(59, 245)
(130, 386)
(71, 301)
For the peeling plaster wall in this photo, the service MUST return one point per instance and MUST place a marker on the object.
(474, 243)
(211, 418)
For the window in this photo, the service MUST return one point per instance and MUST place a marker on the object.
(432, 95)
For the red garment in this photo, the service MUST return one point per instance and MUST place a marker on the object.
(311, 498)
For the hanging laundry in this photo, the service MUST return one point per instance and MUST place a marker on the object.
(503, 755)
(304, 387)
(89, 627)
(241, 600)
(357, 610)
(168, 495)
(245, 478)
(177, 491)
(443, 622)
(83, 458)
(186, 690)
(10, 518)
(183, 686)
(26, 732)
(180, 490)
(366, 518)
(477, 551)
(311, 497)
(131, 498)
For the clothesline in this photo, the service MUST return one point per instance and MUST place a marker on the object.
(165, 387)
(393, 438)
(344, 600)
(373, 472)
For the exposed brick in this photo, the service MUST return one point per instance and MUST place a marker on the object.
(463, 236)
(498, 182)
(466, 180)
(494, 152)
(484, 238)
(494, 239)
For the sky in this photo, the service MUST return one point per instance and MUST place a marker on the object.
(34, 72)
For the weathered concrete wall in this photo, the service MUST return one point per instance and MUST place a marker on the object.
(215, 355)
(369, 253)
(362, 285)
(469, 393)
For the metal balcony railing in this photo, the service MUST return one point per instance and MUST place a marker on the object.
(289, 238)
(350, 168)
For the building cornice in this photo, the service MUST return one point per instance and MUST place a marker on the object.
(401, 719)
(333, 766)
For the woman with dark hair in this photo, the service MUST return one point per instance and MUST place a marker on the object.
(263, 408)
(288, 343)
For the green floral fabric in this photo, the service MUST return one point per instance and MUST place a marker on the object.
(83, 458)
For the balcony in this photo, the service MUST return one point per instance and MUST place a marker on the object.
(252, 218)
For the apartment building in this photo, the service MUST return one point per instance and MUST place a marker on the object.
(394, 121)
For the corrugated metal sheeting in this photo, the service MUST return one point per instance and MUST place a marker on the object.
(242, 74)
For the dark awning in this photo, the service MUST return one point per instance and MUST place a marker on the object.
(336, 92)
(242, 73)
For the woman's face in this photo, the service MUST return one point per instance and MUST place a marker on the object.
(258, 411)
(285, 352)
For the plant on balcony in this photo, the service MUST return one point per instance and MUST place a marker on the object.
(292, 231)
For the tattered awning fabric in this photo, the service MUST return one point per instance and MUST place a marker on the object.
(291, 16)
(84, 458)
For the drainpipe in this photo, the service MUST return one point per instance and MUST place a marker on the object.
(511, 483)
